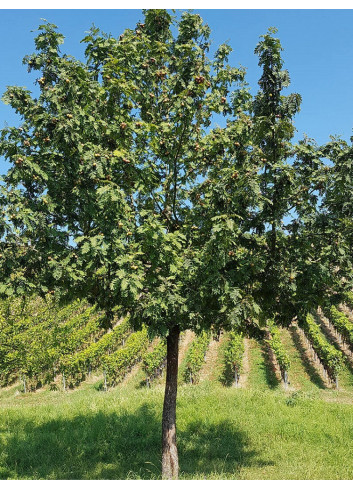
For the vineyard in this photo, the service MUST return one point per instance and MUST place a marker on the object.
(57, 348)
(98, 385)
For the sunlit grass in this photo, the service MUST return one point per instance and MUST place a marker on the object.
(223, 433)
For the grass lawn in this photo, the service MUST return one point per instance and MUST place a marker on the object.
(223, 433)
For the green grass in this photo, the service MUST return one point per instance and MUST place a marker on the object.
(223, 433)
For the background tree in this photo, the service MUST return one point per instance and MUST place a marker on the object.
(114, 192)
(304, 203)
(318, 253)
(288, 179)
(333, 228)
(273, 131)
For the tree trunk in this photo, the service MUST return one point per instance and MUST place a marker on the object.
(170, 465)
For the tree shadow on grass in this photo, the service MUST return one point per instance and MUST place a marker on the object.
(215, 448)
(92, 446)
(110, 446)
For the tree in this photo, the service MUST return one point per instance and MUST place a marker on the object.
(121, 193)
(334, 225)
(273, 131)
(304, 211)
(290, 179)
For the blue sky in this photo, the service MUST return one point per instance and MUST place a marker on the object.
(318, 53)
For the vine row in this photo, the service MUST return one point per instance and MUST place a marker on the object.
(233, 356)
(90, 357)
(117, 365)
(275, 343)
(341, 323)
(329, 356)
(153, 362)
(195, 358)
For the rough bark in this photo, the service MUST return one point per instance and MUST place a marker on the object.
(170, 464)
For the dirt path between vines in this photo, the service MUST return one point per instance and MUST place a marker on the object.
(208, 370)
(244, 373)
(185, 343)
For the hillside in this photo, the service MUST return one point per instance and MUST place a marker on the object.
(257, 431)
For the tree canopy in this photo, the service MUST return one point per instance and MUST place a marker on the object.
(118, 183)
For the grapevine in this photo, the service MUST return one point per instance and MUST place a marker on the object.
(117, 365)
(274, 341)
(154, 361)
(349, 299)
(37, 337)
(195, 358)
(91, 355)
(233, 356)
(341, 323)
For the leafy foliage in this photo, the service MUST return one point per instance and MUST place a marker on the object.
(119, 191)
(38, 338)
(91, 356)
(349, 299)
